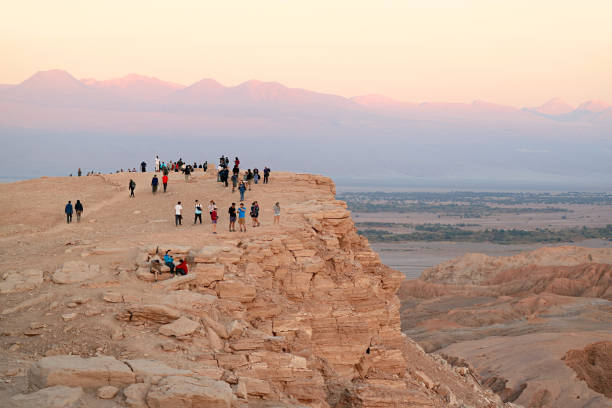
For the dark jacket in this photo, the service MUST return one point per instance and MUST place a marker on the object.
(78, 206)
(68, 209)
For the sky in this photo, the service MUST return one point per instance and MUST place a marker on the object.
(519, 52)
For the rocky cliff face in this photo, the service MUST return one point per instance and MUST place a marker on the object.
(300, 315)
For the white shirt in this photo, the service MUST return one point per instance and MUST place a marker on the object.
(178, 208)
(211, 207)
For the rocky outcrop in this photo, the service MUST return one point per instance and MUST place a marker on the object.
(477, 268)
(75, 271)
(593, 364)
(20, 281)
(181, 392)
(301, 314)
(52, 397)
(74, 371)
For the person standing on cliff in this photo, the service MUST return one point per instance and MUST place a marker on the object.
(242, 189)
(232, 217)
(198, 212)
(132, 187)
(78, 208)
(68, 211)
(143, 166)
(266, 174)
(178, 214)
(254, 214)
(234, 181)
(242, 217)
(165, 181)
(277, 211)
(154, 184)
(213, 219)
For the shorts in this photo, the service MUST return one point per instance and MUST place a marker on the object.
(232, 218)
(241, 220)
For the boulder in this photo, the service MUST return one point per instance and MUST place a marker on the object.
(75, 371)
(147, 369)
(52, 397)
(179, 328)
(107, 392)
(182, 392)
(75, 271)
(21, 281)
(136, 394)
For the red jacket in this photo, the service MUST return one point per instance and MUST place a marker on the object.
(213, 215)
(183, 266)
(164, 179)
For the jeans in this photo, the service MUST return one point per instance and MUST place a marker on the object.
(131, 192)
(171, 266)
(177, 219)
(78, 216)
(241, 195)
(68, 218)
(165, 186)
(197, 216)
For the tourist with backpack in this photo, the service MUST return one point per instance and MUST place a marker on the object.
(78, 207)
(254, 214)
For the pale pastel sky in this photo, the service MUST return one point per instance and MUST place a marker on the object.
(517, 52)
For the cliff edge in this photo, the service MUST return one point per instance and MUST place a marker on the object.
(301, 314)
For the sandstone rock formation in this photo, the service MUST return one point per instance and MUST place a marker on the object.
(526, 311)
(301, 314)
(593, 364)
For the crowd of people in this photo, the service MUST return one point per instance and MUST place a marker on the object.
(241, 182)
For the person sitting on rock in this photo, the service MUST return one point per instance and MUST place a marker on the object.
(169, 261)
(181, 268)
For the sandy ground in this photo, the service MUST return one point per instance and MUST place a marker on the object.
(33, 225)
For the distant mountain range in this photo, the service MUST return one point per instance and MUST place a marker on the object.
(59, 122)
(59, 88)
